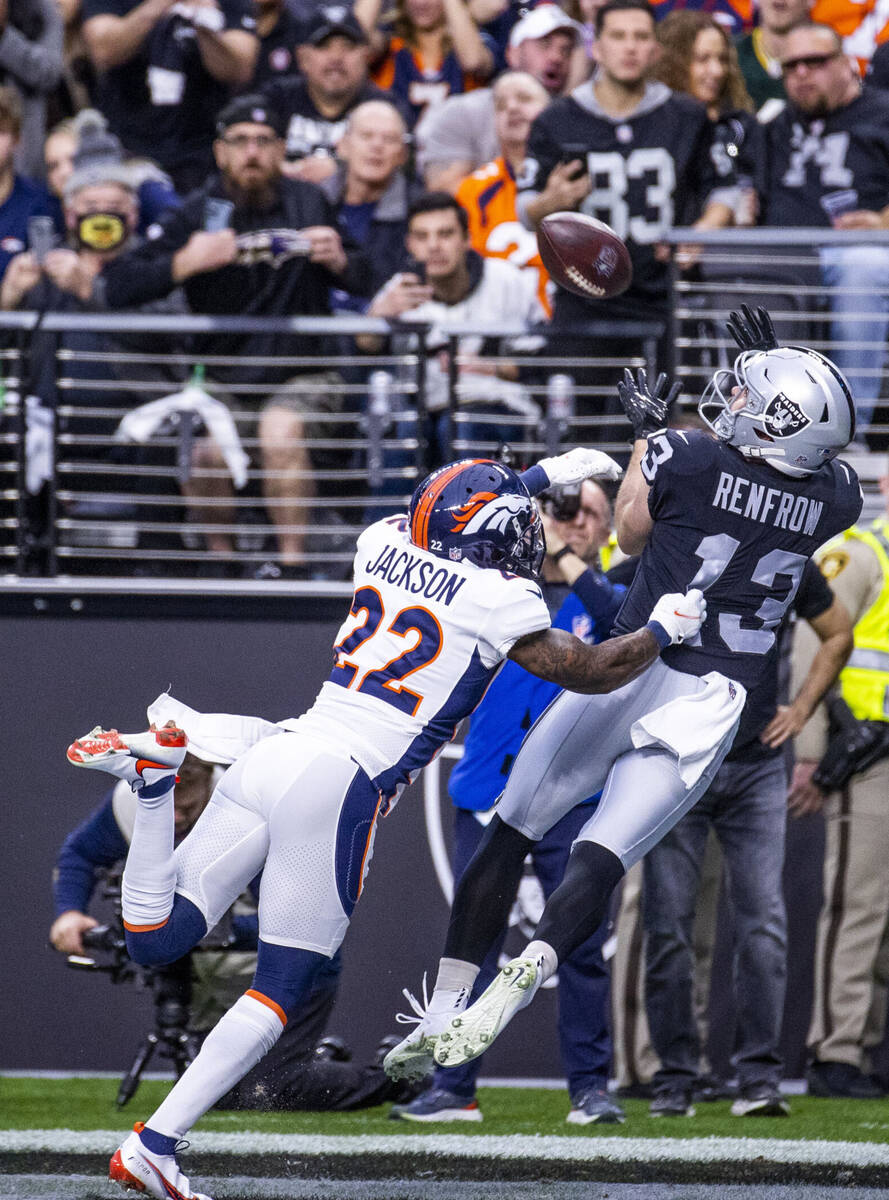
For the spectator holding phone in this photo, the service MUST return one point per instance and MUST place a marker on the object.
(447, 284)
(253, 243)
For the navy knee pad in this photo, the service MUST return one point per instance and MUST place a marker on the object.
(182, 930)
(285, 974)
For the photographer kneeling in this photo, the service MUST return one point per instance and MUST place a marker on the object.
(303, 1071)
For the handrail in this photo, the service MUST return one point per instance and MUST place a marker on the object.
(767, 235)
(59, 322)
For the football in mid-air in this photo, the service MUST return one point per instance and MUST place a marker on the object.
(584, 255)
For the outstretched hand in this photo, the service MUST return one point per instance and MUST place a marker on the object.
(752, 330)
(578, 464)
(646, 407)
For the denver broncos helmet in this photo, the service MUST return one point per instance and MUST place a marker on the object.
(795, 409)
(478, 511)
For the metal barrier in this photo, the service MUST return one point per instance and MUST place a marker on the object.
(826, 289)
(143, 458)
(136, 456)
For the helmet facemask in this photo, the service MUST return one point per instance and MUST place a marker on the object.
(797, 412)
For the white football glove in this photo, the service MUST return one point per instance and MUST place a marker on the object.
(576, 465)
(681, 615)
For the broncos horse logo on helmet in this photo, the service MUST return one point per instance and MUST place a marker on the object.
(478, 511)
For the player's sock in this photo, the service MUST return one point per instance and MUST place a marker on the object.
(486, 891)
(545, 956)
(577, 907)
(236, 1043)
(452, 986)
(149, 877)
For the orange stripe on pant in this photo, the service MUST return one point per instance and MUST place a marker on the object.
(373, 826)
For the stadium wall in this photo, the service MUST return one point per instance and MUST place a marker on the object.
(71, 663)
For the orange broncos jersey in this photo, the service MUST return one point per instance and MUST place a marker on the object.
(862, 24)
(489, 196)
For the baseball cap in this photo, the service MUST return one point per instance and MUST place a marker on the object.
(331, 19)
(541, 21)
(252, 109)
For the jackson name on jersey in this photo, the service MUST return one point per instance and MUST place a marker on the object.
(423, 639)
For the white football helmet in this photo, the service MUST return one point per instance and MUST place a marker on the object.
(798, 412)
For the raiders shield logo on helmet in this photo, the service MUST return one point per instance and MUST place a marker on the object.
(782, 417)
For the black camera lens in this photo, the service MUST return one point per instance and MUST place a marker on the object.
(562, 503)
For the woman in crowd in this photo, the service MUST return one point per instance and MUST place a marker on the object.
(699, 58)
(427, 50)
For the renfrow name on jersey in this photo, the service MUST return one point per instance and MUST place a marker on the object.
(416, 575)
(771, 506)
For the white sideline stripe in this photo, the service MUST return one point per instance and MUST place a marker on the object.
(789, 1087)
(513, 1146)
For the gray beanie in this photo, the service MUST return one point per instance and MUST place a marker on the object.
(99, 157)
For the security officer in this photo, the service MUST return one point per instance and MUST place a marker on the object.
(852, 949)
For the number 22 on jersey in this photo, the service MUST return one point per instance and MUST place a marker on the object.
(385, 680)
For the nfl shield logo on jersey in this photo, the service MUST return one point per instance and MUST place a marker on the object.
(783, 417)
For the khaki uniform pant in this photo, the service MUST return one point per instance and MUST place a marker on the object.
(852, 949)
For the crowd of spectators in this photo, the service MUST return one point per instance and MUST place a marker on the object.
(272, 158)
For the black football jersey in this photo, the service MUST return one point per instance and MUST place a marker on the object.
(812, 160)
(742, 532)
(737, 151)
(813, 598)
(650, 171)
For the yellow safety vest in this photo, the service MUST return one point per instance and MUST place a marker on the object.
(864, 681)
(607, 552)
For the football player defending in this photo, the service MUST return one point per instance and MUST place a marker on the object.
(736, 516)
(442, 597)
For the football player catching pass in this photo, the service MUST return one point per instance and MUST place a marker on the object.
(442, 597)
(737, 516)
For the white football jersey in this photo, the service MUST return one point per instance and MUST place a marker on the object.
(422, 641)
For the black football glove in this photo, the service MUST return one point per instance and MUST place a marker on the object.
(646, 407)
(752, 330)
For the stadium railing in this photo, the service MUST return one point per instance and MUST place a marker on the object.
(98, 482)
(79, 499)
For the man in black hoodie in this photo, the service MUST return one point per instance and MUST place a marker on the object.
(253, 244)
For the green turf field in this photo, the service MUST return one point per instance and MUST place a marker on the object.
(82, 1104)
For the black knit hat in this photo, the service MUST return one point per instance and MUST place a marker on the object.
(254, 110)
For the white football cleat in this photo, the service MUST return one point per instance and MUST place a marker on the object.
(412, 1058)
(139, 1169)
(470, 1034)
(139, 758)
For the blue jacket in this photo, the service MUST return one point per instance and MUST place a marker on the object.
(516, 699)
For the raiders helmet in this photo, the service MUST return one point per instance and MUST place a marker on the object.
(478, 511)
(798, 412)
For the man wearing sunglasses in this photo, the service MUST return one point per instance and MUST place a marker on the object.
(828, 165)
